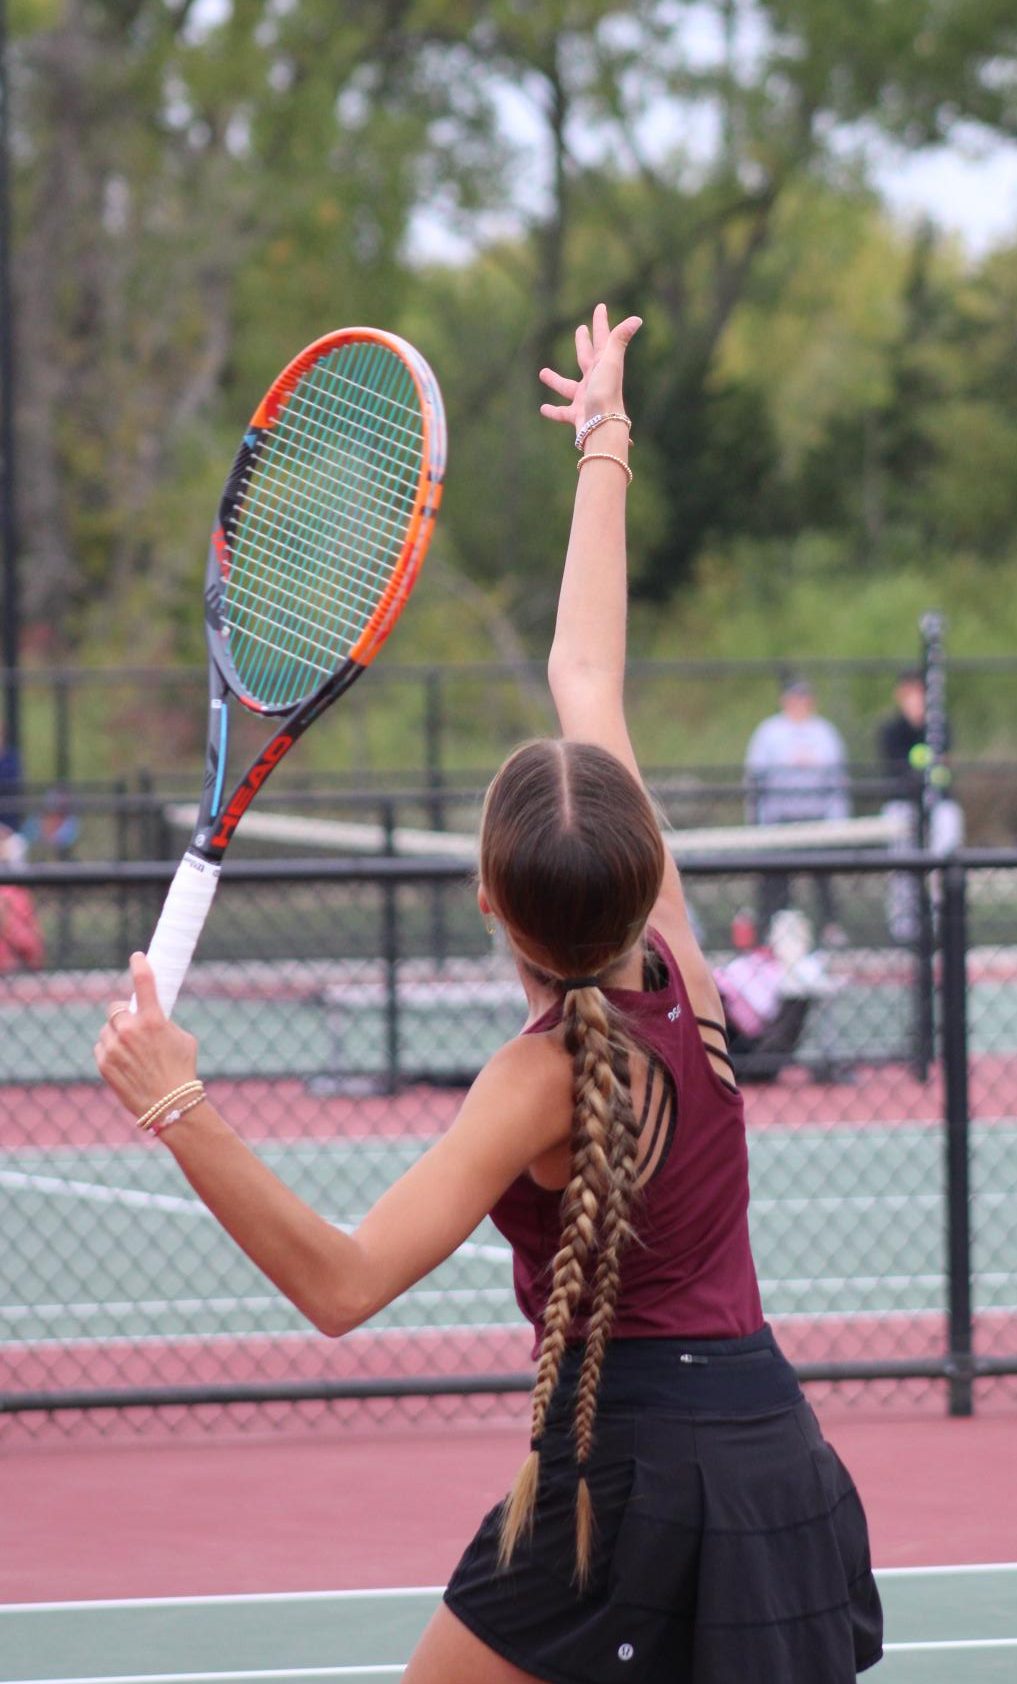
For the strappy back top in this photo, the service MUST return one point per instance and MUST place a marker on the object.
(688, 1271)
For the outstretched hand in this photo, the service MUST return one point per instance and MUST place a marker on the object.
(141, 1055)
(600, 353)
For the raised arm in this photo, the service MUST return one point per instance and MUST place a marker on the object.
(586, 666)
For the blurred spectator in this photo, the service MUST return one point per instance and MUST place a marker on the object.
(10, 787)
(21, 944)
(796, 769)
(768, 993)
(906, 761)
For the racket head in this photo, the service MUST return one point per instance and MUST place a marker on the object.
(325, 518)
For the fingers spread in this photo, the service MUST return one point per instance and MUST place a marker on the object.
(626, 331)
(559, 382)
(601, 329)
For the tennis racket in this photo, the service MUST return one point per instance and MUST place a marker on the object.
(322, 528)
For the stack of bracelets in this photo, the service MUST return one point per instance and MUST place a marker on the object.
(602, 455)
(171, 1107)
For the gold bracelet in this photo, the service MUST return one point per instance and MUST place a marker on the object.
(186, 1090)
(605, 456)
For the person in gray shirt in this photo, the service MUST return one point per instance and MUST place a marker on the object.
(796, 769)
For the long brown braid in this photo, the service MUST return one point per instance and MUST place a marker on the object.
(571, 857)
(588, 1036)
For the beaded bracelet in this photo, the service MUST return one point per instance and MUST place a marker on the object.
(598, 421)
(192, 1091)
(174, 1116)
(605, 456)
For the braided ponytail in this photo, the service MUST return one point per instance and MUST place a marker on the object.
(601, 1078)
(571, 859)
(595, 1226)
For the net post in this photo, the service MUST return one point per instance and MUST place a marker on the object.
(957, 1140)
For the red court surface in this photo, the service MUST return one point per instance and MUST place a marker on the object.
(343, 1508)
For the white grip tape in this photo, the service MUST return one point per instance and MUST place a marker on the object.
(180, 924)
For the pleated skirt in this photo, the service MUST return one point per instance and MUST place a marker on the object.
(730, 1545)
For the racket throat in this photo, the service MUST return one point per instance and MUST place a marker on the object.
(212, 839)
(226, 822)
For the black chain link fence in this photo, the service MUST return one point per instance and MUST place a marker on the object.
(342, 1006)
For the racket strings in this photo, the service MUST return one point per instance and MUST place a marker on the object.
(284, 576)
(322, 521)
(375, 514)
(305, 597)
(340, 584)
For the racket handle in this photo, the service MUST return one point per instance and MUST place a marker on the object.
(180, 924)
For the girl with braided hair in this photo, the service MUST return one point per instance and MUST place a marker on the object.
(679, 1518)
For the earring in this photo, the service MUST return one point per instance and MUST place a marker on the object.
(490, 926)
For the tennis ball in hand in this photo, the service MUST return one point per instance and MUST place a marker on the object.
(920, 757)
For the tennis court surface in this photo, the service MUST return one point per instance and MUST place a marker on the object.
(953, 1625)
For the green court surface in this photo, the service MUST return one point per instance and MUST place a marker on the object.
(952, 1625)
(845, 1222)
(302, 1021)
(329, 1021)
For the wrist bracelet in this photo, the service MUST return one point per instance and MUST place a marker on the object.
(605, 456)
(173, 1116)
(187, 1091)
(598, 421)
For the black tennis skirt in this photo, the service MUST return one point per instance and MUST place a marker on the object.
(731, 1546)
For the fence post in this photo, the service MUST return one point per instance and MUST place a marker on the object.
(390, 954)
(958, 1142)
(61, 728)
(433, 723)
(925, 977)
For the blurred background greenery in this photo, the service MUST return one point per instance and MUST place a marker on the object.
(824, 392)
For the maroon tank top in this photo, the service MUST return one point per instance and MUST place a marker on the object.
(688, 1272)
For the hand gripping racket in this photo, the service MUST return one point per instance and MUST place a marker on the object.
(323, 525)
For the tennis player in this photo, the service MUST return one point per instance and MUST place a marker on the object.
(679, 1516)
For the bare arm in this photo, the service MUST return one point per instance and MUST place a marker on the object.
(586, 666)
(518, 1108)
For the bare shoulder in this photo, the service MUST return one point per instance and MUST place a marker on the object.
(525, 1088)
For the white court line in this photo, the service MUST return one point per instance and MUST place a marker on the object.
(392, 1670)
(381, 1593)
(97, 1192)
(937, 1647)
(100, 1192)
(378, 1593)
(865, 1201)
(956, 1567)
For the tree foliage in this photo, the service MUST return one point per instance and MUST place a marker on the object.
(204, 185)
